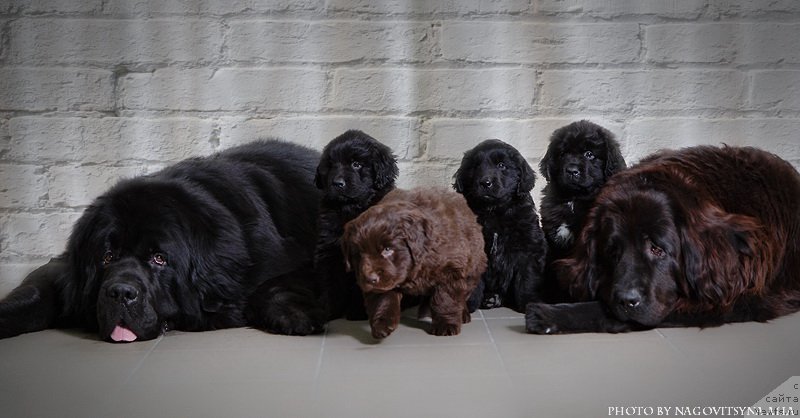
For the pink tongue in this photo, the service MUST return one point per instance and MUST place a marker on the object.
(122, 334)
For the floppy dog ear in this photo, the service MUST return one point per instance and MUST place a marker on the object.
(548, 164)
(384, 165)
(614, 160)
(527, 177)
(416, 230)
(319, 177)
(721, 253)
(464, 172)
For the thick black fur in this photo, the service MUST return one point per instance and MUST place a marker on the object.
(217, 242)
(496, 181)
(354, 172)
(579, 160)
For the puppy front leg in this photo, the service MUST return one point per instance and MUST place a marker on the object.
(383, 310)
(448, 312)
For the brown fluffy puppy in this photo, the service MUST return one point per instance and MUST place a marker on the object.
(424, 242)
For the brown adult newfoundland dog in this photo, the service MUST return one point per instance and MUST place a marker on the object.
(697, 237)
(423, 242)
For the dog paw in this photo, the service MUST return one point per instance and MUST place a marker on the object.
(540, 319)
(297, 323)
(445, 329)
(492, 301)
(466, 318)
(382, 328)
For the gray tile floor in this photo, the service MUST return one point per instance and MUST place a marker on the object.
(493, 369)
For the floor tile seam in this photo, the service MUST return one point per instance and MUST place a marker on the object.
(496, 348)
(318, 369)
(129, 377)
(669, 343)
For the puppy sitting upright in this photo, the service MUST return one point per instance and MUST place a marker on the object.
(354, 172)
(496, 181)
(423, 242)
(579, 160)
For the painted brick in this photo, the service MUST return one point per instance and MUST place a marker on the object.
(23, 186)
(38, 7)
(404, 90)
(76, 186)
(451, 138)
(751, 8)
(207, 7)
(250, 90)
(38, 89)
(752, 43)
(34, 235)
(392, 7)
(102, 41)
(399, 133)
(538, 43)
(426, 175)
(684, 9)
(108, 140)
(778, 135)
(642, 90)
(330, 41)
(779, 90)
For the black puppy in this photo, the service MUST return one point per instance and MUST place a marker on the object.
(496, 182)
(579, 160)
(354, 173)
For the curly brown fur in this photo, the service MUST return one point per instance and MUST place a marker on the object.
(423, 242)
(697, 237)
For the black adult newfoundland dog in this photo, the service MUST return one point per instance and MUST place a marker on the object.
(697, 237)
(354, 172)
(579, 160)
(208, 243)
(496, 181)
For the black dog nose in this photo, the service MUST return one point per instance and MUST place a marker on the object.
(122, 292)
(339, 182)
(572, 171)
(630, 298)
(486, 182)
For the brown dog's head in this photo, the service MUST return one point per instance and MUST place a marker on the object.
(653, 245)
(384, 244)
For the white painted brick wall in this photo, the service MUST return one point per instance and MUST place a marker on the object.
(92, 91)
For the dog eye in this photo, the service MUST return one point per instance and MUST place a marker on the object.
(387, 252)
(589, 155)
(356, 165)
(159, 259)
(656, 251)
(501, 166)
(108, 257)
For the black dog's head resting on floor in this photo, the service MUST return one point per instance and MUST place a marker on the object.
(185, 248)
(354, 172)
(581, 157)
(496, 181)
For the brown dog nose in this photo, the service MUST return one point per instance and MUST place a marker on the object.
(372, 278)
